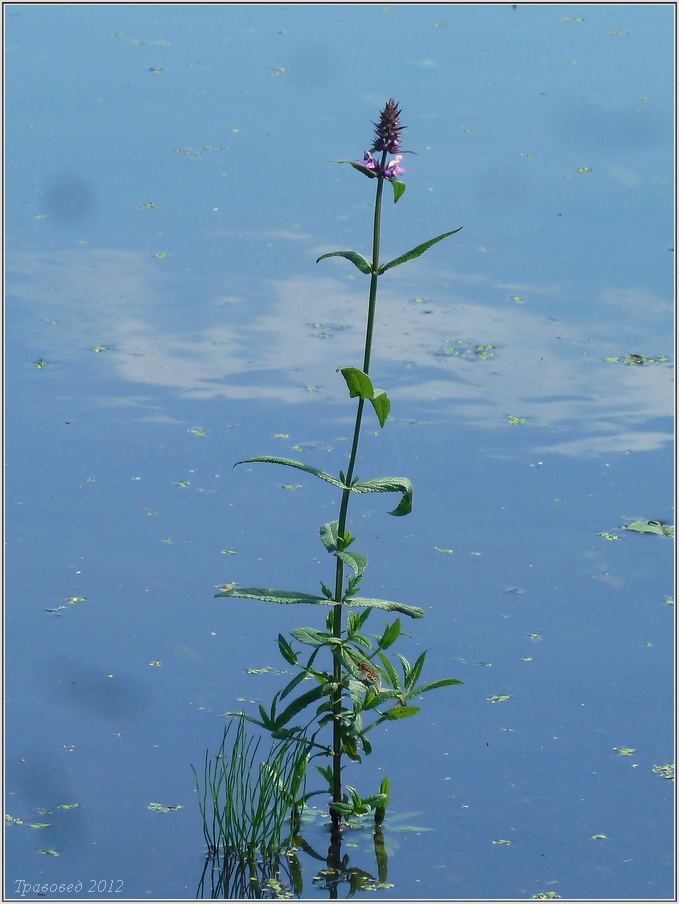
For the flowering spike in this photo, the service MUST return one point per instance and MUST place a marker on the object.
(388, 129)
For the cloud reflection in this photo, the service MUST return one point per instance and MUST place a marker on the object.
(276, 339)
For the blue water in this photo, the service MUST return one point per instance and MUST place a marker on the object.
(550, 140)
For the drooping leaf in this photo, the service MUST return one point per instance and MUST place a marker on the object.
(290, 463)
(415, 252)
(356, 259)
(382, 405)
(390, 485)
(362, 601)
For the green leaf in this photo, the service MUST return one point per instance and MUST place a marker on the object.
(651, 527)
(415, 671)
(273, 596)
(299, 704)
(399, 188)
(391, 672)
(358, 383)
(362, 601)
(415, 252)
(430, 685)
(356, 259)
(288, 462)
(359, 166)
(355, 560)
(329, 536)
(391, 634)
(401, 712)
(311, 636)
(286, 650)
(268, 595)
(389, 485)
(382, 406)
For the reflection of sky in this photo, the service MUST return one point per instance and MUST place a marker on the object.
(227, 118)
(546, 365)
(503, 107)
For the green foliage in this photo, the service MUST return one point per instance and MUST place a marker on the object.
(342, 674)
(651, 527)
(245, 802)
(415, 252)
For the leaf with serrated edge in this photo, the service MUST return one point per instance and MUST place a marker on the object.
(268, 595)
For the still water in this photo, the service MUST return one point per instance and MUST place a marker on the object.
(170, 185)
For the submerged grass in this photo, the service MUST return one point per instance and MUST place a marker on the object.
(250, 808)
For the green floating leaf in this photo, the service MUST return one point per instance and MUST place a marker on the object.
(415, 252)
(651, 527)
(356, 259)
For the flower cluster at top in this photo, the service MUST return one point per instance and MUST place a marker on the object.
(387, 138)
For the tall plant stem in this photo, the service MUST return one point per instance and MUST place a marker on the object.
(344, 504)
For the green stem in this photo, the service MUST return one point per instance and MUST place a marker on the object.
(344, 504)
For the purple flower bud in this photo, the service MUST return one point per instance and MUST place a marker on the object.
(388, 129)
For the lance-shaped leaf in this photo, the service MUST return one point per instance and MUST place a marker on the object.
(360, 167)
(401, 712)
(298, 705)
(269, 595)
(389, 485)
(356, 259)
(288, 462)
(399, 188)
(415, 252)
(430, 685)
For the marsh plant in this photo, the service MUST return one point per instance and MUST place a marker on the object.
(347, 679)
